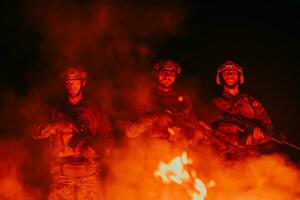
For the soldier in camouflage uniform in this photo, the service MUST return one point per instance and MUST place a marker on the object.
(79, 136)
(234, 103)
(158, 132)
(158, 121)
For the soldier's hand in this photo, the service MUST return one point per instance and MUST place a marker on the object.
(162, 120)
(89, 153)
(256, 137)
(258, 134)
(175, 133)
(65, 127)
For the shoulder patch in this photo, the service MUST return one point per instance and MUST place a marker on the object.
(180, 98)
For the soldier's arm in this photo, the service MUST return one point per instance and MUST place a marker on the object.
(139, 127)
(45, 127)
(259, 135)
(42, 131)
(261, 115)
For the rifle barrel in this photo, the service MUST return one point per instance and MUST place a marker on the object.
(291, 145)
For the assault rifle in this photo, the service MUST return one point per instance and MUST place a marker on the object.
(247, 126)
(185, 120)
(213, 138)
(83, 135)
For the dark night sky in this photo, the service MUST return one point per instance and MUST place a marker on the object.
(263, 37)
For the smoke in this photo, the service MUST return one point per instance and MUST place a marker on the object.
(117, 43)
(19, 175)
(265, 177)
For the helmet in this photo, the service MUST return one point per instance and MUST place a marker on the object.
(167, 65)
(229, 65)
(74, 72)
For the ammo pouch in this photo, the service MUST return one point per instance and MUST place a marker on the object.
(78, 167)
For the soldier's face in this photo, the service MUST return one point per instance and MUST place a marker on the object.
(230, 77)
(74, 86)
(166, 78)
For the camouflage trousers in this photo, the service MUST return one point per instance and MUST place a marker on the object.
(75, 188)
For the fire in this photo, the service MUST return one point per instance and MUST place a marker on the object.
(179, 172)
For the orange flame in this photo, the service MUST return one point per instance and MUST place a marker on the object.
(177, 171)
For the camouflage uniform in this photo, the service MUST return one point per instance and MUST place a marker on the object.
(172, 134)
(171, 103)
(235, 141)
(244, 106)
(163, 141)
(75, 170)
(164, 103)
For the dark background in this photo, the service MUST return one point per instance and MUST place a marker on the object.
(262, 37)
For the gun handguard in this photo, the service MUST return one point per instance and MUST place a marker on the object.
(248, 125)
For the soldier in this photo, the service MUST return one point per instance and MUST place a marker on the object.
(161, 130)
(79, 135)
(236, 109)
(159, 121)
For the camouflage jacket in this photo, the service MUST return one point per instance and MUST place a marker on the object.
(241, 105)
(164, 104)
(56, 124)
